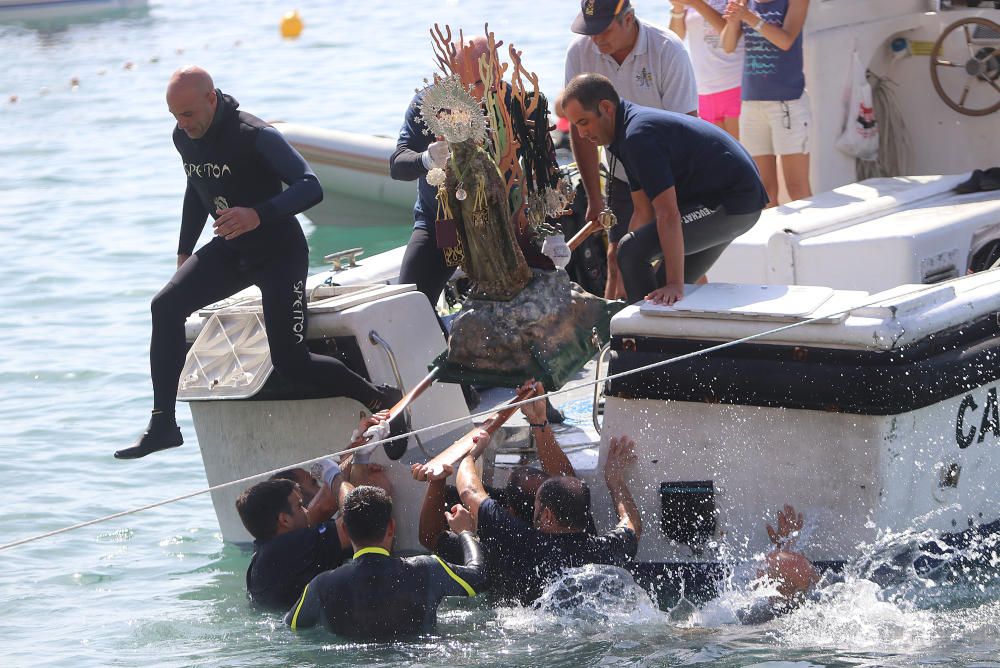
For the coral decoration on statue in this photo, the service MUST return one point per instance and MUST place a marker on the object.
(502, 170)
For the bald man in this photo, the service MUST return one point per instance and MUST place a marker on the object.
(235, 166)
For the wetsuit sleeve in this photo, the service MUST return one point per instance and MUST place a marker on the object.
(193, 217)
(449, 547)
(405, 164)
(306, 611)
(303, 191)
(466, 580)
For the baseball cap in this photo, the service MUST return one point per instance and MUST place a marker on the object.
(596, 15)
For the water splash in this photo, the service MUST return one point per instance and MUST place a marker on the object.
(587, 599)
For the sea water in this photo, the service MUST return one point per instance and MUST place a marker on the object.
(90, 199)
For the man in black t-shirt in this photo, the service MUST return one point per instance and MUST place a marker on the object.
(532, 554)
(289, 549)
(517, 497)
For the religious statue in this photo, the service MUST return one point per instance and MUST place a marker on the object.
(483, 191)
(502, 179)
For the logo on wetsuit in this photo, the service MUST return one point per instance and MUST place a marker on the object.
(206, 170)
(220, 203)
(298, 312)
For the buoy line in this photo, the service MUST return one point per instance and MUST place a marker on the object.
(472, 417)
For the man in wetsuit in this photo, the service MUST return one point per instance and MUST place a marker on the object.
(532, 554)
(377, 596)
(235, 165)
(694, 188)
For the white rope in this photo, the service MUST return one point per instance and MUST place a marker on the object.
(564, 390)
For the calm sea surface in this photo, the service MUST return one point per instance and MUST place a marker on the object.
(90, 196)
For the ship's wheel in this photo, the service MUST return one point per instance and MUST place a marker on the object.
(965, 75)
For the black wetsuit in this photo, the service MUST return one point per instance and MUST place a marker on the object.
(282, 567)
(379, 597)
(242, 162)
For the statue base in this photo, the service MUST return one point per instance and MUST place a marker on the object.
(549, 331)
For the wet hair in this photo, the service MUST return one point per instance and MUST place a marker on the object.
(588, 90)
(568, 499)
(367, 511)
(516, 497)
(288, 474)
(260, 506)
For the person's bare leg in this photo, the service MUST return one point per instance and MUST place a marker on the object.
(767, 165)
(795, 169)
(614, 288)
(731, 124)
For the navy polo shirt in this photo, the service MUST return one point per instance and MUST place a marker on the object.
(662, 149)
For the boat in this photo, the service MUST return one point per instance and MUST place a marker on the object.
(354, 171)
(33, 11)
(863, 388)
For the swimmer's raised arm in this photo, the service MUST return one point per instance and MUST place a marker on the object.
(620, 456)
(554, 461)
(470, 486)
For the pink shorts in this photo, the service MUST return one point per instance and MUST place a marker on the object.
(717, 106)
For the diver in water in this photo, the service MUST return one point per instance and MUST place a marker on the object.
(292, 543)
(295, 538)
(235, 166)
(530, 554)
(517, 497)
(791, 572)
(377, 596)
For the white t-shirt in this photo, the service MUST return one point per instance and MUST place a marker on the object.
(714, 69)
(657, 73)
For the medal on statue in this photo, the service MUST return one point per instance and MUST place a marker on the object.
(460, 193)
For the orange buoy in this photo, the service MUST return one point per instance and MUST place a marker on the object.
(291, 24)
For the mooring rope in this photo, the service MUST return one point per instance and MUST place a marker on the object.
(447, 423)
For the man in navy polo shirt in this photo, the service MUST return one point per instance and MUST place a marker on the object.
(694, 188)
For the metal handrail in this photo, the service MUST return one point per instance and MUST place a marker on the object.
(376, 340)
(597, 386)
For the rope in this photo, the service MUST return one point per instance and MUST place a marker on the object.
(893, 140)
(447, 423)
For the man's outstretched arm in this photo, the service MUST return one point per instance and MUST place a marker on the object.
(621, 455)
(470, 486)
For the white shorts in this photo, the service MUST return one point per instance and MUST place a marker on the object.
(770, 127)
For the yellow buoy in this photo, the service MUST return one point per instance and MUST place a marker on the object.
(291, 24)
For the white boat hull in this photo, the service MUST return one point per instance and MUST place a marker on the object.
(51, 10)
